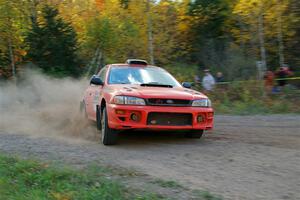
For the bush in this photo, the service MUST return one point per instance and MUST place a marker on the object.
(249, 98)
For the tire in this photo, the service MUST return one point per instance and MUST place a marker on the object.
(98, 119)
(108, 136)
(196, 134)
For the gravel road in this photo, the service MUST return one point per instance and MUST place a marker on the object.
(246, 157)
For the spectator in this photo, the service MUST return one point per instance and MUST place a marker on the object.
(219, 77)
(288, 70)
(208, 81)
(282, 74)
(197, 79)
(269, 81)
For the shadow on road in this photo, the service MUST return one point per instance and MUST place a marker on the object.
(134, 138)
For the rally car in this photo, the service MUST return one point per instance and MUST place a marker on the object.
(138, 96)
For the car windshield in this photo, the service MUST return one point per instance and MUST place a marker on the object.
(141, 75)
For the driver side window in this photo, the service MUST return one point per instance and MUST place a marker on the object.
(102, 73)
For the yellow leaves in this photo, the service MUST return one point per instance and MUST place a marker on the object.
(247, 12)
(164, 3)
(182, 27)
(100, 4)
(250, 7)
(60, 196)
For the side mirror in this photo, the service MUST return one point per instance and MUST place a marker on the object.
(96, 80)
(187, 84)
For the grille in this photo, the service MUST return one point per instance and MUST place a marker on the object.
(169, 102)
(170, 119)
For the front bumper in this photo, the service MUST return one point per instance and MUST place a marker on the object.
(119, 117)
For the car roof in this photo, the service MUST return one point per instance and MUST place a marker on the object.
(131, 65)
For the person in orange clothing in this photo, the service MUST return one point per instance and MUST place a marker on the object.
(269, 81)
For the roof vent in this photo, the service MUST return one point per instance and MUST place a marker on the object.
(136, 62)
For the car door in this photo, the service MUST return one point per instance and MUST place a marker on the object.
(95, 94)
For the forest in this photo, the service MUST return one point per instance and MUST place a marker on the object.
(77, 37)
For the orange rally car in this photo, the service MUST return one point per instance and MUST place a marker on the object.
(139, 96)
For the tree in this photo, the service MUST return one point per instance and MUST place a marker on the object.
(208, 31)
(117, 33)
(53, 45)
(168, 31)
(293, 36)
(13, 24)
(266, 26)
(125, 3)
(150, 34)
(101, 36)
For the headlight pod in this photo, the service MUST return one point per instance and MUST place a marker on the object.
(127, 100)
(201, 103)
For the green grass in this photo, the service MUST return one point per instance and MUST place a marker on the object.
(31, 180)
(167, 184)
(257, 106)
(204, 195)
(198, 194)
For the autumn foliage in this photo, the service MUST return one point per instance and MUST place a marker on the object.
(223, 35)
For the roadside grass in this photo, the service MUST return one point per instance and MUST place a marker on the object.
(30, 180)
(167, 184)
(206, 195)
(248, 99)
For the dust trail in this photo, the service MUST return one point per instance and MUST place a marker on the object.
(40, 105)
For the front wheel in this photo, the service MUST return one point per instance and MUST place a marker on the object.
(109, 136)
(197, 134)
(98, 118)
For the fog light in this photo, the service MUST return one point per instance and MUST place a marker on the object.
(120, 112)
(200, 118)
(134, 117)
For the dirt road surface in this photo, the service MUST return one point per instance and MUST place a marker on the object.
(246, 157)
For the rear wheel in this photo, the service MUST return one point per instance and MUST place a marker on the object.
(109, 136)
(197, 134)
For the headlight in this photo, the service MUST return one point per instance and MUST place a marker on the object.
(202, 103)
(126, 100)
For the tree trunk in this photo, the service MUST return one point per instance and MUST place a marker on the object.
(242, 31)
(150, 36)
(262, 49)
(279, 35)
(99, 63)
(262, 41)
(12, 58)
(33, 6)
(93, 61)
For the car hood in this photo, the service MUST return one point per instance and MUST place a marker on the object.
(156, 92)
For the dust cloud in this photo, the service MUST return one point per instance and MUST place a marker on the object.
(42, 106)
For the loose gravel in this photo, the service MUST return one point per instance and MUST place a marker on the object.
(244, 157)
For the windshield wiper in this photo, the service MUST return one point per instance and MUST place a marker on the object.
(156, 84)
